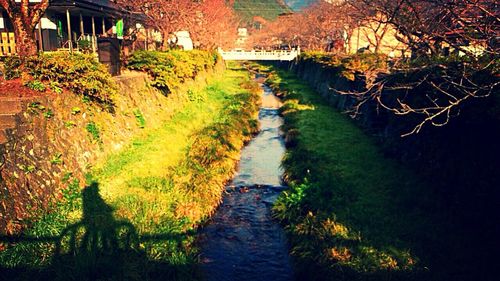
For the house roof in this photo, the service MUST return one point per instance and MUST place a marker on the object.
(94, 7)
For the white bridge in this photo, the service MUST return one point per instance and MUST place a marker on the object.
(276, 55)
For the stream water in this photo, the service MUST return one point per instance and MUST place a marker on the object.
(242, 241)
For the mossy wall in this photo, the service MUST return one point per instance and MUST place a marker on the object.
(58, 138)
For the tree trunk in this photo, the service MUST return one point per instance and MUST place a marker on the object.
(25, 38)
(165, 44)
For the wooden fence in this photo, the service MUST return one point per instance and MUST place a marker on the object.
(7, 44)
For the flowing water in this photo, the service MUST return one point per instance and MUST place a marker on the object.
(242, 241)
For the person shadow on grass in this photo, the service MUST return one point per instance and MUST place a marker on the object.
(98, 247)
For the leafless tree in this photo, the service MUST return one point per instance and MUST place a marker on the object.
(216, 24)
(210, 22)
(431, 25)
(313, 29)
(166, 16)
(455, 43)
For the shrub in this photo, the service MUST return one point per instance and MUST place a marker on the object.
(350, 66)
(170, 69)
(362, 63)
(79, 73)
(11, 67)
(324, 58)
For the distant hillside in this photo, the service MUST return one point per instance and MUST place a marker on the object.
(268, 9)
(297, 5)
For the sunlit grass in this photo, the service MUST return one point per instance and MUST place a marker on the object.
(142, 183)
(159, 188)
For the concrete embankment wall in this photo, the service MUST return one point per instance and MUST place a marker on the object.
(50, 141)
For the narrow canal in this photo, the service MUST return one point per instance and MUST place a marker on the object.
(242, 241)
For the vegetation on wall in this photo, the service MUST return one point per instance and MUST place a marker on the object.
(170, 69)
(79, 73)
(423, 92)
(363, 64)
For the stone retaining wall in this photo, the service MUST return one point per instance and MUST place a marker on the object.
(47, 142)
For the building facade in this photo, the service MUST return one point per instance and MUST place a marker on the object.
(93, 26)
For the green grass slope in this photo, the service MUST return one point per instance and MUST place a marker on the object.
(351, 213)
(137, 218)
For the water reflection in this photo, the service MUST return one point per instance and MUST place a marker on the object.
(261, 159)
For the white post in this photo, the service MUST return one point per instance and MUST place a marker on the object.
(68, 19)
(81, 25)
(40, 42)
(93, 36)
(103, 26)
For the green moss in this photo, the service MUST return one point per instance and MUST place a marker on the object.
(48, 113)
(141, 122)
(93, 130)
(56, 159)
(76, 110)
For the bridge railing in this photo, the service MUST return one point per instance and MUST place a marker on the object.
(280, 55)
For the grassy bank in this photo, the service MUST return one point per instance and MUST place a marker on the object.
(136, 218)
(351, 213)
